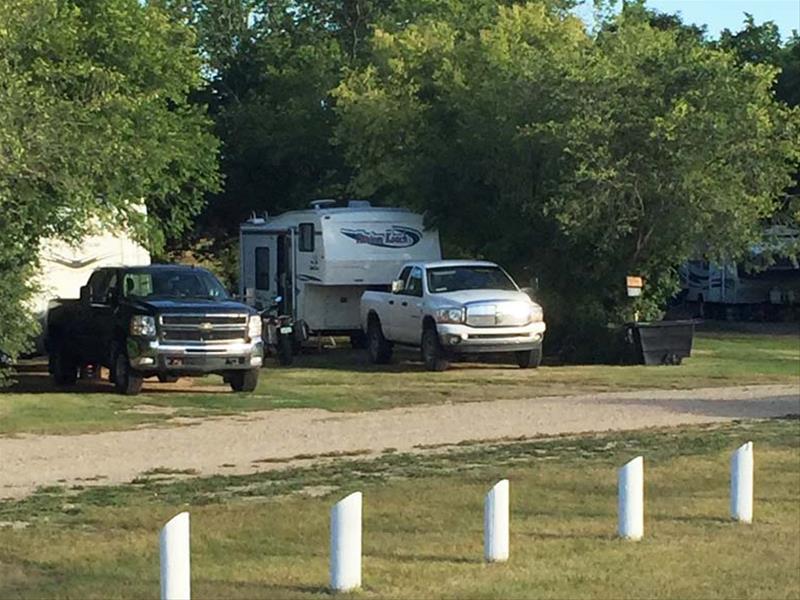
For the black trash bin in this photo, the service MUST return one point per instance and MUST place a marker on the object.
(662, 342)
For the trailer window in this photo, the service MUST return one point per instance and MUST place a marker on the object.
(306, 237)
(262, 268)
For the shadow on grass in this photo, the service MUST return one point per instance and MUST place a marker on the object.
(766, 406)
(567, 535)
(31, 377)
(415, 558)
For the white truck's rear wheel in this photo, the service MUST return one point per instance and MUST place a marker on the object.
(380, 349)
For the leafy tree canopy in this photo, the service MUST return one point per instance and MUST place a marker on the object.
(577, 158)
(95, 120)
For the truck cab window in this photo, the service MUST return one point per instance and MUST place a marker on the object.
(404, 278)
(413, 285)
(262, 268)
(99, 285)
(306, 237)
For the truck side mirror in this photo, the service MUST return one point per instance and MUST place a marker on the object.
(397, 286)
(84, 294)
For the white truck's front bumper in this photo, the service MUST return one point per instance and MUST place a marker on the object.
(465, 339)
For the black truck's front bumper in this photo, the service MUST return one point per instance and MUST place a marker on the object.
(150, 356)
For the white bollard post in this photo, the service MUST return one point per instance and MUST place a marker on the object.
(346, 543)
(175, 561)
(631, 499)
(742, 483)
(495, 523)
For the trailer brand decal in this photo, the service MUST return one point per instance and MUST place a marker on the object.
(394, 237)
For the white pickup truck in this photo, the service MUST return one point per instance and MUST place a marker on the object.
(453, 307)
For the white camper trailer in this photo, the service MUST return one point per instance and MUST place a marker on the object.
(320, 260)
(732, 289)
(63, 269)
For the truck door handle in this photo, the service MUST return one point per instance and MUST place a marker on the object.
(404, 303)
(391, 301)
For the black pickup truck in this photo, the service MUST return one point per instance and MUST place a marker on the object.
(160, 321)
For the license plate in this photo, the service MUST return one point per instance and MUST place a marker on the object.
(286, 330)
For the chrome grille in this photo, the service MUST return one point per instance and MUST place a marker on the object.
(497, 314)
(202, 329)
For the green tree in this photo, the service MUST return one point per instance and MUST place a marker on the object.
(94, 121)
(575, 158)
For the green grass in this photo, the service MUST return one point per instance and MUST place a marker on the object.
(343, 380)
(266, 535)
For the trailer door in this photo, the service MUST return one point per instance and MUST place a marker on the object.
(258, 255)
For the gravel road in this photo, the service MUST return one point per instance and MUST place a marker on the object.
(235, 444)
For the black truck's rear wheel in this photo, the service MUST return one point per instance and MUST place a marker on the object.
(64, 366)
(126, 380)
(243, 381)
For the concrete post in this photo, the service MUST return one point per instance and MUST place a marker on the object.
(496, 523)
(630, 481)
(175, 560)
(742, 483)
(346, 544)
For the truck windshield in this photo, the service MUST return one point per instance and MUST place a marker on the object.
(454, 279)
(172, 283)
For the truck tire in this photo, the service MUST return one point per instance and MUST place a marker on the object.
(432, 353)
(126, 380)
(359, 341)
(243, 381)
(529, 359)
(64, 367)
(380, 349)
(285, 350)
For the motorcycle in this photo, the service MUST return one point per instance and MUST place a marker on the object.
(279, 333)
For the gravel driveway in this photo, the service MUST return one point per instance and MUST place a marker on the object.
(235, 444)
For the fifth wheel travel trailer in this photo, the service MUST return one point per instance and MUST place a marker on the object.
(765, 287)
(319, 261)
(63, 269)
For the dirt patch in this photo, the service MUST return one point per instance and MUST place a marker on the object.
(151, 409)
(279, 438)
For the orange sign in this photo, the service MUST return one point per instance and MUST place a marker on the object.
(633, 281)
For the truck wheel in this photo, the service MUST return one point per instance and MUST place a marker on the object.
(64, 367)
(380, 349)
(432, 354)
(126, 380)
(243, 381)
(285, 350)
(359, 341)
(529, 359)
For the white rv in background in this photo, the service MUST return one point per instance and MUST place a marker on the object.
(320, 260)
(63, 269)
(731, 288)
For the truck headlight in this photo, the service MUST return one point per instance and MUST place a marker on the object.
(254, 326)
(143, 326)
(536, 314)
(450, 315)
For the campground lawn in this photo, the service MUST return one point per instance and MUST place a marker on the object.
(266, 535)
(343, 380)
